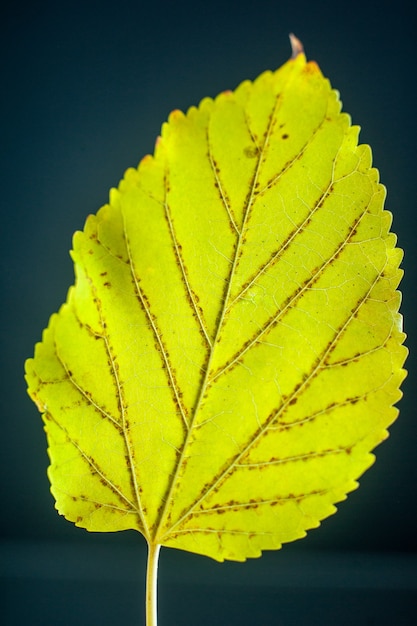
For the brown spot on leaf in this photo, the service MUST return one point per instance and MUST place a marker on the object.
(251, 152)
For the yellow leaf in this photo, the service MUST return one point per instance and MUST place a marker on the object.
(231, 351)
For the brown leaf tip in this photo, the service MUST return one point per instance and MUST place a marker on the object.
(296, 46)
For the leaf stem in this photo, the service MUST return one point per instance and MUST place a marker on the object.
(151, 584)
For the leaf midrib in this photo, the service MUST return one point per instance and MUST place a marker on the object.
(203, 387)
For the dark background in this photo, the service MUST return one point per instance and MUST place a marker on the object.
(85, 88)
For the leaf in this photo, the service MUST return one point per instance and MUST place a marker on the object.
(231, 351)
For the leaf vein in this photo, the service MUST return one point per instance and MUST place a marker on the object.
(219, 186)
(293, 459)
(145, 305)
(183, 271)
(93, 465)
(86, 396)
(289, 302)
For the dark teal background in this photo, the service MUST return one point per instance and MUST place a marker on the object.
(85, 87)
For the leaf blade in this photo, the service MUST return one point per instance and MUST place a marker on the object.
(238, 293)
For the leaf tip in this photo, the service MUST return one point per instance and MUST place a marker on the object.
(296, 46)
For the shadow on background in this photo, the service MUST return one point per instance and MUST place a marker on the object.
(86, 87)
(76, 584)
